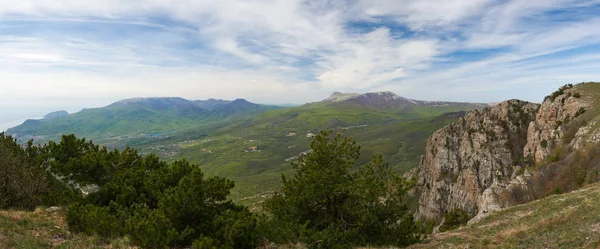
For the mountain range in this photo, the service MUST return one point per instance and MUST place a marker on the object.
(134, 116)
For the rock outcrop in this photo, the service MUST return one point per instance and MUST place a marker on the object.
(547, 130)
(478, 163)
(503, 194)
(465, 158)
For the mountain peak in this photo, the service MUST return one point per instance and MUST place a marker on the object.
(56, 114)
(385, 95)
(241, 101)
(339, 96)
(146, 99)
(383, 99)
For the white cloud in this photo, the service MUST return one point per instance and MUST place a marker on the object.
(425, 14)
(373, 59)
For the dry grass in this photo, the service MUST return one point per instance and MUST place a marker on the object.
(516, 230)
(570, 220)
(41, 229)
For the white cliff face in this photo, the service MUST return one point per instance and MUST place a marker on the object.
(465, 158)
(338, 96)
(476, 164)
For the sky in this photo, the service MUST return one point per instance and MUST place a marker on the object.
(74, 54)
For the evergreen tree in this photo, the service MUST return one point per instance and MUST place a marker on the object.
(327, 204)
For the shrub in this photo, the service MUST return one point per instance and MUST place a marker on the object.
(591, 177)
(60, 193)
(151, 228)
(556, 191)
(454, 219)
(91, 220)
(570, 130)
(23, 179)
(564, 174)
(580, 111)
(558, 92)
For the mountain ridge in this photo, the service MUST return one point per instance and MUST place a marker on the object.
(137, 115)
(56, 114)
(388, 99)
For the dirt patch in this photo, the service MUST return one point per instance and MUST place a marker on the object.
(521, 214)
(2, 239)
(595, 228)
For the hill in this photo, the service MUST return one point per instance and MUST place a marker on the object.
(211, 104)
(559, 221)
(56, 114)
(131, 118)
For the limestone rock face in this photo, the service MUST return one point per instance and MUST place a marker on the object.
(547, 129)
(476, 164)
(465, 158)
(503, 194)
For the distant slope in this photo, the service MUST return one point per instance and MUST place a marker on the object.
(133, 118)
(56, 114)
(570, 220)
(225, 108)
(390, 100)
(239, 106)
(211, 104)
(126, 117)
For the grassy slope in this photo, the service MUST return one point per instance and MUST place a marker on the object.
(570, 220)
(107, 122)
(118, 122)
(41, 229)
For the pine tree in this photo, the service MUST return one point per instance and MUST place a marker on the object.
(327, 204)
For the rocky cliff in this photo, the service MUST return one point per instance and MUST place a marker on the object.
(478, 163)
(464, 158)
